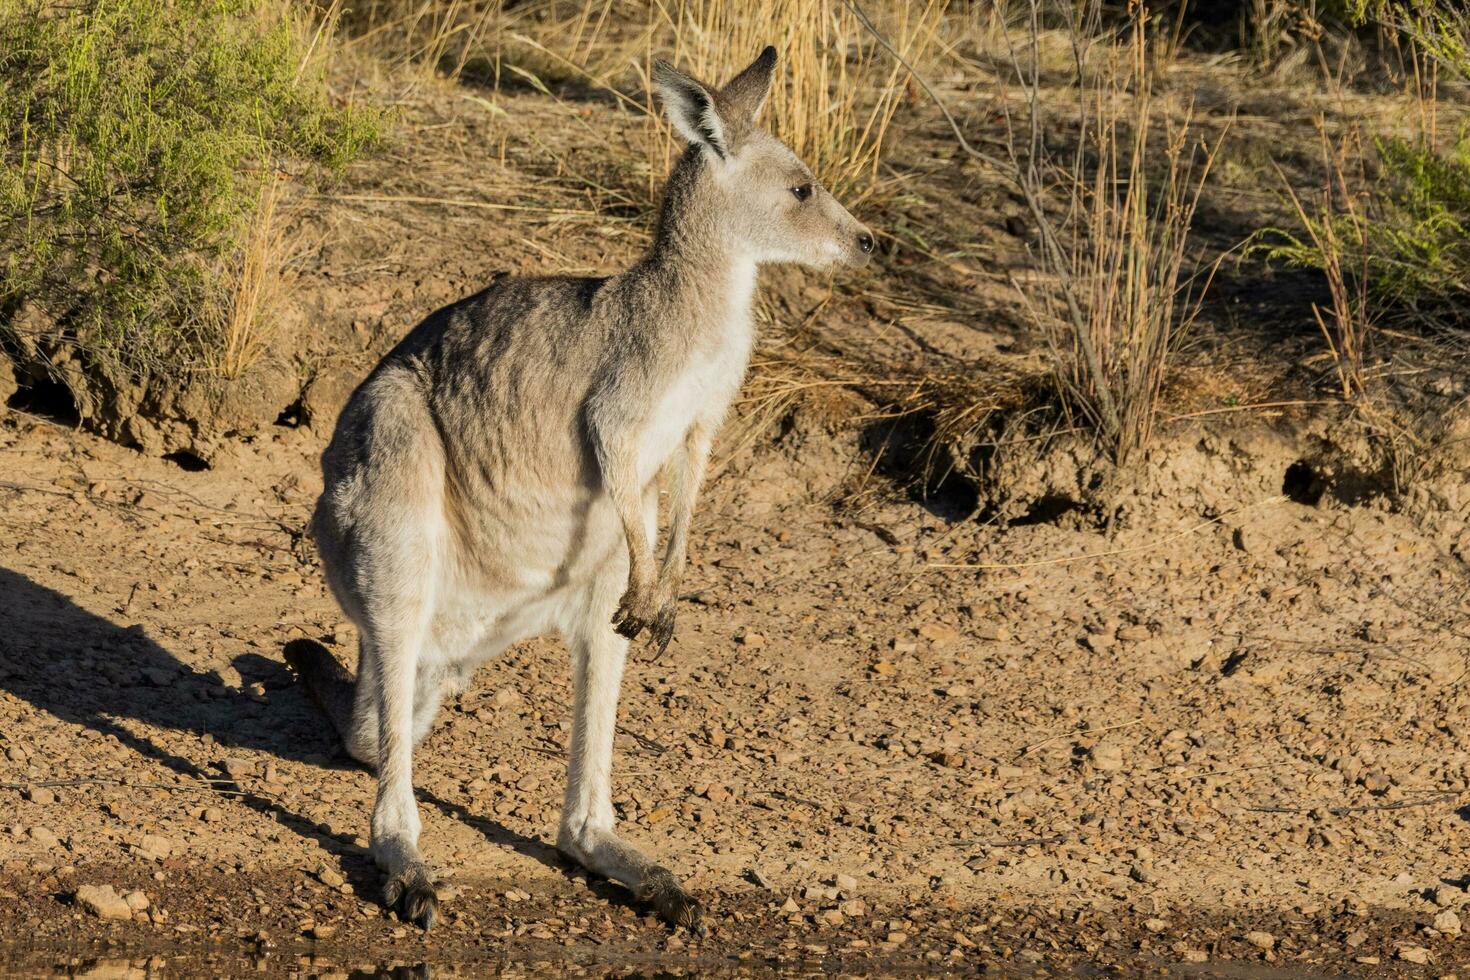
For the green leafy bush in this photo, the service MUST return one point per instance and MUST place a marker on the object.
(137, 138)
(1407, 229)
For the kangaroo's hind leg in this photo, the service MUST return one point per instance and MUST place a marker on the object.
(586, 835)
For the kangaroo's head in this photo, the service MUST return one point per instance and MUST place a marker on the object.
(763, 199)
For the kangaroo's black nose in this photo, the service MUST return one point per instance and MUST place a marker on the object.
(865, 242)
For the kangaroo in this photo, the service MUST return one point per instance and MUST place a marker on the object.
(496, 476)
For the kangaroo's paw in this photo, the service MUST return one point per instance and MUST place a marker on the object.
(677, 907)
(634, 614)
(414, 894)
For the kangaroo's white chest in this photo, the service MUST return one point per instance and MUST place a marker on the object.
(706, 386)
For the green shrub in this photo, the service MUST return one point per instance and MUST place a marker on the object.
(1410, 236)
(136, 140)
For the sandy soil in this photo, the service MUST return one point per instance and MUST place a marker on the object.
(1146, 756)
(1222, 736)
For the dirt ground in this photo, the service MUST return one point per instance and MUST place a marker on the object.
(1235, 742)
(1220, 735)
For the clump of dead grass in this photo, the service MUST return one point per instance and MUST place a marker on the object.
(1115, 285)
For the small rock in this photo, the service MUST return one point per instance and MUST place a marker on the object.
(1446, 896)
(1106, 756)
(846, 884)
(1413, 954)
(103, 901)
(1447, 923)
(753, 640)
(896, 938)
(883, 668)
(44, 836)
(1133, 634)
(790, 905)
(1375, 782)
(1155, 925)
(329, 877)
(992, 633)
(155, 848)
(137, 900)
(321, 931)
(238, 769)
(939, 634)
(1261, 940)
(40, 794)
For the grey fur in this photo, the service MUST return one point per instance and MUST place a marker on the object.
(496, 476)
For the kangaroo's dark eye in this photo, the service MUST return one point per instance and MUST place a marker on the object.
(802, 191)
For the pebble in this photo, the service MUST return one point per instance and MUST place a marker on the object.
(1413, 954)
(155, 847)
(103, 901)
(1447, 923)
(40, 794)
(329, 877)
(44, 836)
(1106, 756)
(939, 634)
(1155, 925)
(237, 768)
(1261, 940)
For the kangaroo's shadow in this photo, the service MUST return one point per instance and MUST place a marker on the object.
(82, 668)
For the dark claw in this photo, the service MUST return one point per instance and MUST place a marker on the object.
(414, 896)
(626, 622)
(677, 907)
(662, 631)
(628, 625)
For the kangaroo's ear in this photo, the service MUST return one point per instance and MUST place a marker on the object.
(745, 94)
(691, 108)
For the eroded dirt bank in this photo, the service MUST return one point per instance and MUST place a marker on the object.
(1213, 743)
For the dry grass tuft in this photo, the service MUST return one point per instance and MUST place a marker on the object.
(1115, 293)
(244, 324)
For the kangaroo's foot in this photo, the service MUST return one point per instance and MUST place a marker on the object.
(604, 853)
(662, 890)
(413, 892)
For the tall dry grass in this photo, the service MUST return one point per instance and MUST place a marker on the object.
(837, 89)
(241, 323)
(837, 93)
(1114, 215)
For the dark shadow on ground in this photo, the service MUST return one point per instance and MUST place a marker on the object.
(83, 668)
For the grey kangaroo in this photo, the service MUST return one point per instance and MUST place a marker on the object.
(496, 477)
